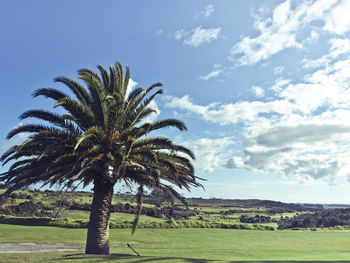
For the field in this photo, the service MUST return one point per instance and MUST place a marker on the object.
(173, 245)
(210, 230)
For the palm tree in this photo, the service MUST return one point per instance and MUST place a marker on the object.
(101, 139)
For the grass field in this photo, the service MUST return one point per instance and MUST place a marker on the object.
(186, 245)
(167, 240)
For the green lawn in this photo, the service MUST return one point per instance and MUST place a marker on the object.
(214, 244)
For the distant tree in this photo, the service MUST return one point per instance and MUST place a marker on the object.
(102, 138)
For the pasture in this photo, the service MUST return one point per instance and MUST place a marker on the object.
(186, 245)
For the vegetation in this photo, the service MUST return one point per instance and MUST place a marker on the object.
(256, 219)
(100, 139)
(320, 219)
(219, 230)
(186, 245)
(40, 207)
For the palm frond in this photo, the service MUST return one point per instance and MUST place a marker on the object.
(185, 150)
(119, 79)
(126, 80)
(97, 92)
(155, 143)
(53, 118)
(105, 77)
(94, 132)
(9, 152)
(26, 128)
(112, 85)
(49, 93)
(82, 115)
(78, 90)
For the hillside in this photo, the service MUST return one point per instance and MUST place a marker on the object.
(71, 209)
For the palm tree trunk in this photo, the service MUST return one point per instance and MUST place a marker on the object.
(98, 228)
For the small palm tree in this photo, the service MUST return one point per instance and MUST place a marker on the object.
(101, 139)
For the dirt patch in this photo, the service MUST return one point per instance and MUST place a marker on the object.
(36, 247)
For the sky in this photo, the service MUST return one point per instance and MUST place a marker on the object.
(263, 86)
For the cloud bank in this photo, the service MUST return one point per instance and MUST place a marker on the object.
(280, 29)
(301, 131)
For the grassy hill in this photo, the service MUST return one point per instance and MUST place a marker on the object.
(71, 209)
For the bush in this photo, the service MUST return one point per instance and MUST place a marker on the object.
(28, 208)
(327, 218)
(255, 219)
(79, 223)
(42, 221)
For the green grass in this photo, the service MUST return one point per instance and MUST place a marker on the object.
(214, 244)
(185, 242)
(64, 257)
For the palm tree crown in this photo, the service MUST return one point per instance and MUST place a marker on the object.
(102, 138)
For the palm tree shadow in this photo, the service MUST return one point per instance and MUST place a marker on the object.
(136, 259)
(132, 258)
(192, 260)
(103, 258)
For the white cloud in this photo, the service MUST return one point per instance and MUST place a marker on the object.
(279, 84)
(210, 153)
(326, 87)
(212, 74)
(276, 34)
(179, 34)
(278, 70)
(152, 117)
(197, 36)
(208, 10)
(338, 20)
(313, 38)
(201, 35)
(278, 31)
(258, 91)
(231, 113)
(305, 151)
(131, 85)
(310, 142)
(217, 70)
(338, 47)
(301, 134)
(302, 131)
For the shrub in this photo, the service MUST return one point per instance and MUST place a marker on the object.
(327, 218)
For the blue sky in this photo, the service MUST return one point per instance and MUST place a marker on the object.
(263, 86)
